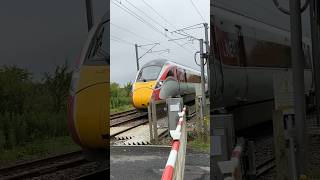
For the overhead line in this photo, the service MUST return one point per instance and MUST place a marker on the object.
(121, 39)
(158, 14)
(136, 16)
(146, 15)
(197, 11)
(124, 29)
(116, 40)
(143, 21)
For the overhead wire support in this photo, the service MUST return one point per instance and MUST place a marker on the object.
(147, 51)
(187, 27)
(149, 44)
(160, 51)
(179, 39)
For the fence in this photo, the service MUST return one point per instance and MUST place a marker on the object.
(156, 110)
(174, 169)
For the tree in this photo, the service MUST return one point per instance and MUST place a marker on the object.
(15, 86)
(128, 88)
(57, 85)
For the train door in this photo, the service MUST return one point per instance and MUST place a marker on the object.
(181, 81)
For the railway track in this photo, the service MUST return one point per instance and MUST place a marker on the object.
(127, 120)
(121, 114)
(130, 128)
(265, 167)
(43, 166)
(99, 174)
(262, 137)
(127, 117)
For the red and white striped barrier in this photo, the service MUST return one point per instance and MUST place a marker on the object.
(175, 134)
(168, 171)
(177, 152)
(233, 166)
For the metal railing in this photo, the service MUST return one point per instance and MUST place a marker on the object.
(174, 169)
(155, 112)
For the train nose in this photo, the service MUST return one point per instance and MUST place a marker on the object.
(141, 95)
(91, 116)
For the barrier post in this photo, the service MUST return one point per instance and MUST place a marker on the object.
(154, 119)
(150, 121)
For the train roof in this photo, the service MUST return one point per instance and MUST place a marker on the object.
(156, 62)
(263, 30)
(162, 62)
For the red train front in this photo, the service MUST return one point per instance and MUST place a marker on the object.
(160, 79)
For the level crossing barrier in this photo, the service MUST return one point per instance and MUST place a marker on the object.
(233, 169)
(174, 169)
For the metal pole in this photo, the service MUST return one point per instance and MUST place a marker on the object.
(315, 55)
(298, 80)
(89, 14)
(207, 51)
(289, 121)
(203, 104)
(137, 57)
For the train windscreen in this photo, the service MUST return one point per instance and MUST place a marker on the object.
(99, 48)
(149, 73)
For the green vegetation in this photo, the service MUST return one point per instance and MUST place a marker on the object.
(198, 145)
(199, 139)
(30, 111)
(39, 148)
(120, 98)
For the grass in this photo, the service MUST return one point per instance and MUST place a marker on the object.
(37, 149)
(196, 140)
(199, 145)
(122, 108)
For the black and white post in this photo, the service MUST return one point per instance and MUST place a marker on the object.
(203, 80)
(137, 57)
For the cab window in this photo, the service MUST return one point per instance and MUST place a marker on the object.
(170, 73)
(149, 73)
(99, 47)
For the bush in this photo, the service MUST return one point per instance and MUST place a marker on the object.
(32, 110)
(120, 96)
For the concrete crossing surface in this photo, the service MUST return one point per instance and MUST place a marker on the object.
(148, 163)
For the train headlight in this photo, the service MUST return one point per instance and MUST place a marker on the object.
(159, 84)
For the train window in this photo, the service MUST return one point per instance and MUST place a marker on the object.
(149, 73)
(193, 78)
(171, 72)
(266, 54)
(99, 48)
(181, 74)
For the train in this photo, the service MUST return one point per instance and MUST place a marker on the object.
(245, 55)
(160, 79)
(88, 102)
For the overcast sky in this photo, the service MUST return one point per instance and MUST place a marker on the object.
(126, 30)
(38, 34)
